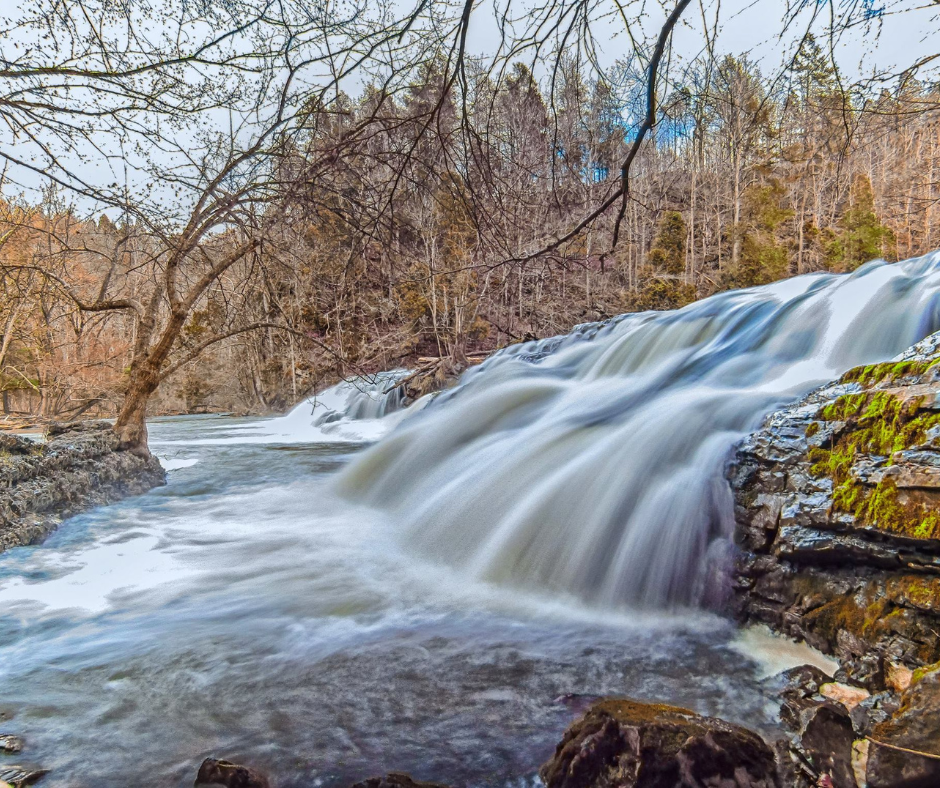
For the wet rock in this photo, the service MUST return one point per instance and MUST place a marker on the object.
(845, 554)
(845, 694)
(626, 744)
(10, 743)
(78, 467)
(213, 773)
(19, 776)
(898, 677)
(395, 780)
(819, 747)
(905, 748)
(826, 742)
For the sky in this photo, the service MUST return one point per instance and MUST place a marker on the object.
(900, 33)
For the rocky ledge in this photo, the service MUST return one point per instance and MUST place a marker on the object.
(77, 467)
(838, 524)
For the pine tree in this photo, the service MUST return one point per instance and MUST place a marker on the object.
(863, 237)
(663, 285)
(763, 258)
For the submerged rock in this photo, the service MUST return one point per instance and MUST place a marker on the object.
(78, 467)
(10, 743)
(395, 780)
(213, 773)
(626, 744)
(20, 776)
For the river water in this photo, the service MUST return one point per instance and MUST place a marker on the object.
(446, 600)
(244, 611)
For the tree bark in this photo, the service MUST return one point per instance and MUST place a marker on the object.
(131, 424)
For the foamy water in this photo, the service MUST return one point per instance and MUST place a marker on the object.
(592, 465)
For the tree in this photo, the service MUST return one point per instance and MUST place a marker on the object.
(863, 237)
(663, 285)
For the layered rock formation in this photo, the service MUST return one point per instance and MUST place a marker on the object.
(838, 520)
(838, 517)
(77, 467)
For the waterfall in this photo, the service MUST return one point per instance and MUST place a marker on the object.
(592, 465)
(362, 408)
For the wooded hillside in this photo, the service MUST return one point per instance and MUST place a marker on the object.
(403, 225)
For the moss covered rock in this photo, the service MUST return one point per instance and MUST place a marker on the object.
(838, 517)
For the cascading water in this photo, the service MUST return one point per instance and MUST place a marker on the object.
(359, 409)
(592, 464)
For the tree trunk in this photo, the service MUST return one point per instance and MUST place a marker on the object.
(131, 424)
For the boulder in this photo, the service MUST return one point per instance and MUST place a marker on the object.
(214, 773)
(395, 780)
(904, 749)
(621, 743)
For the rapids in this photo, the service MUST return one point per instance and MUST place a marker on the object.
(245, 611)
(444, 601)
(592, 465)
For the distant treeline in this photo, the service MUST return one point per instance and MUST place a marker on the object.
(421, 224)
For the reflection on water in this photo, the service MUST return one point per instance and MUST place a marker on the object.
(243, 611)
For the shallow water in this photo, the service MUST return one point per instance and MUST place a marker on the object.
(244, 611)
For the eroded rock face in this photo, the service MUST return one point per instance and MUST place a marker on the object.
(838, 519)
(626, 744)
(78, 467)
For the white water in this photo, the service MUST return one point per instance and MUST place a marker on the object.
(359, 410)
(244, 611)
(592, 465)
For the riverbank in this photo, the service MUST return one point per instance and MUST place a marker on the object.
(74, 468)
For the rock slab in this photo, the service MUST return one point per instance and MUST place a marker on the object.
(79, 466)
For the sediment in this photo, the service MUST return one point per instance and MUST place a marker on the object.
(76, 467)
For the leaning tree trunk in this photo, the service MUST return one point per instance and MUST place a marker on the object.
(131, 424)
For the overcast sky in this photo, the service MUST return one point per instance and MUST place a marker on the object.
(901, 33)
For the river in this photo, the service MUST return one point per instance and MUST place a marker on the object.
(245, 611)
(326, 604)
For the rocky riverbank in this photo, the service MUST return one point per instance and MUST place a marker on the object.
(838, 521)
(76, 467)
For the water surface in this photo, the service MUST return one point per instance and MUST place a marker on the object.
(244, 611)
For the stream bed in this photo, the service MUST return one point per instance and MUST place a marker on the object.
(245, 611)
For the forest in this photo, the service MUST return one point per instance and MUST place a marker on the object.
(432, 222)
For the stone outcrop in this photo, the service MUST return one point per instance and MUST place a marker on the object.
(626, 744)
(77, 467)
(838, 518)
(837, 509)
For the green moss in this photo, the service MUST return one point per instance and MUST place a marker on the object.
(880, 424)
(862, 615)
(889, 371)
(812, 429)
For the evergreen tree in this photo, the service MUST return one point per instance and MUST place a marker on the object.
(863, 237)
(663, 285)
(763, 257)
